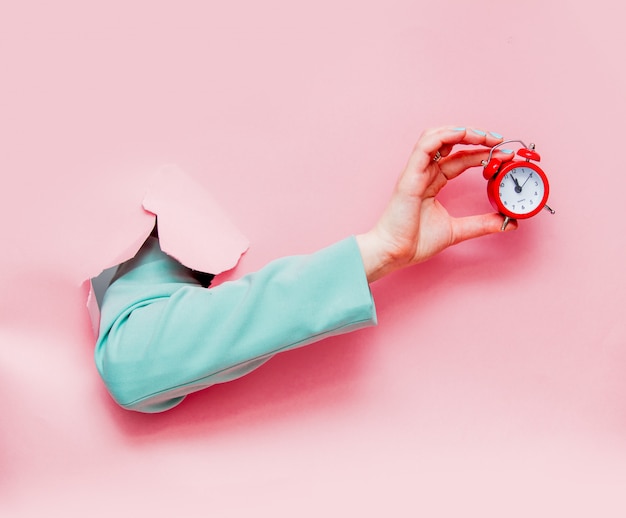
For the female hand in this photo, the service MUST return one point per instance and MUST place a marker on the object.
(414, 225)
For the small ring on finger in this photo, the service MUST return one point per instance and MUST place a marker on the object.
(437, 156)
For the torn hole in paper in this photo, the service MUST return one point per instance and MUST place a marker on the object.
(192, 229)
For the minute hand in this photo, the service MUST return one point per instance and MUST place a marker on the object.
(528, 178)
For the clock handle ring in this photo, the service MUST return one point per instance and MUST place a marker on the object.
(531, 147)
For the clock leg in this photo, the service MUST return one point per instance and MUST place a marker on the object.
(505, 223)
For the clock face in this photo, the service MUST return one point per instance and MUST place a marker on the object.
(521, 190)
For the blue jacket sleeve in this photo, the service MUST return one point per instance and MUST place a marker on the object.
(163, 336)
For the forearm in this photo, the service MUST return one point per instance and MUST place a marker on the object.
(162, 340)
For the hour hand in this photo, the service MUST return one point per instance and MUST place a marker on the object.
(518, 187)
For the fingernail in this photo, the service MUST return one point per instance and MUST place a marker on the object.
(496, 135)
(460, 128)
(507, 151)
(479, 132)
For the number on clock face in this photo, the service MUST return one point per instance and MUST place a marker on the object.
(521, 190)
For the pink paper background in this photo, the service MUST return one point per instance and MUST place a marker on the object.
(495, 384)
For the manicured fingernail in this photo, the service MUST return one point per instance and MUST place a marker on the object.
(494, 134)
(507, 151)
(460, 128)
(479, 132)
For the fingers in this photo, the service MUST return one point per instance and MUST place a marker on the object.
(471, 227)
(455, 164)
(444, 139)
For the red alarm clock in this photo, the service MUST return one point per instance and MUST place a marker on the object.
(517, 189)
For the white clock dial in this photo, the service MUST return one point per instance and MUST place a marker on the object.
(521, 190)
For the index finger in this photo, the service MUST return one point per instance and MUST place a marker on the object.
(443, 139)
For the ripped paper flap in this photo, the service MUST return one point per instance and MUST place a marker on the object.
(193, 229)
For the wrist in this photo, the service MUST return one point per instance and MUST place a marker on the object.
(376, 261)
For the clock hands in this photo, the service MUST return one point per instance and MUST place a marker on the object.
(518, 188)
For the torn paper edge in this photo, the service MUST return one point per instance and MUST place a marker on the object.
(193, 229)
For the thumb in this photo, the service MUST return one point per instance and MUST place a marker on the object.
(481, 225)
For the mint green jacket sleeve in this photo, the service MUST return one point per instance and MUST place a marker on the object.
(163, 336)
